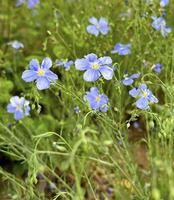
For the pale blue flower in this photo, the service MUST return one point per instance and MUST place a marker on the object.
(97, 101)
(19, 106)
(16, 44)
(98, 26)
(95, 67)
(122, 49)
(41, 74)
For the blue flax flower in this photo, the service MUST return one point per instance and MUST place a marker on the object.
(144, 96)
(97, 101)
(30, 3)
(95, 67)
(157, 68)
(128, 80)
(164, 3)
(41, 74)
(65, 64)
(159, 24)
(19, 106)
(122, 49)
(98, 26)
(16, 44)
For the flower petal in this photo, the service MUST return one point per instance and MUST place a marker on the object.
(91, 75)
(34, 64)
(136, 75)
(142, 103)
(46, 63)
(127, 81)
(92, 29)
(18, 114)
(134, 92)
(91, 57)
(82, 64)
(50, 75)
(106, 72)
(93, 20)
(42, 83)
(103, 23)
(11, 108)
(106, 60)
(29, 75)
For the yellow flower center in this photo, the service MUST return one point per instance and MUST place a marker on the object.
(97, 99)
(95, 66)
(41, 72)
(18, 107)
(145, 94)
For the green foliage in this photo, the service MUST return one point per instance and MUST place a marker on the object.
(88, 153)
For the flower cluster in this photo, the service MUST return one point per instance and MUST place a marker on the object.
(94, 67)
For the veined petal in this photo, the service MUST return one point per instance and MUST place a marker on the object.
(106, 72)
(46, 63)
(106, 60)
(91, 57)
(42, 83)
(134, 92)
(142, 103)
(82, 64)
(91, 75)
(50, 75)
(34, 64)
(92, 29)
(29, 75)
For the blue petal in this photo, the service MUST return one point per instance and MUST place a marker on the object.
(93, 21)
(136, 75)
(106, 72)
(91, 57)
(29, 75)
(19, 2)
(142, 103)
(92, 29)
(34, 64)
(51, 76)
(105, 60)
(164, 3)
(82, 64)
(103, 23)
(143, 87)
(15, 101)
(42, 83)
(127, 81)
(18, 114)
(94, 91)
(134, 92)
(91, 75)
(46, 63)
(32, 3)
(11, 108)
